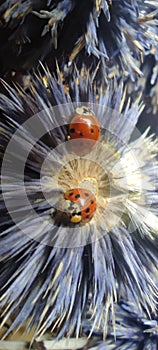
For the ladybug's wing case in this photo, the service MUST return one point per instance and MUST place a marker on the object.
(86, 202)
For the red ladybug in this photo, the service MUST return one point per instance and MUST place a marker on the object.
(85, 129)
(82, 205)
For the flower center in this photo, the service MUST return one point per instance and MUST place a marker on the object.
(91, 184)
(84, 173)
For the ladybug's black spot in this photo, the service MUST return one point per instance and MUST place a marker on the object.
(86, 194)
(72, 130)
(81, 134)
(71, 194)
(92, 202)
(92, 131)
(74, 214)
(77, 195)
(87, 210)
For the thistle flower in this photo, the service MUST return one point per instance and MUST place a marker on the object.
(116, 33)
(134, 330)
(150, 69)
(53, 271)
(148, 86)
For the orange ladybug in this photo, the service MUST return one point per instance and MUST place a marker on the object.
(82, 205)
(85, 129)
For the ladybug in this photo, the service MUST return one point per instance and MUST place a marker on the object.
(82, 205)
(85, 129)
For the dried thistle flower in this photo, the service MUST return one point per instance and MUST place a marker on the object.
(134, 330)
(52, 271)
(150, 70)
(117, 37)
(148, 86)
(117, 33)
